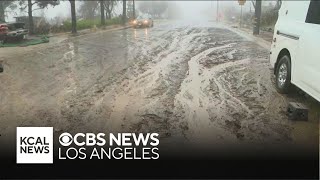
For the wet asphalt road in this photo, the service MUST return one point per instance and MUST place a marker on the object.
(191, 82)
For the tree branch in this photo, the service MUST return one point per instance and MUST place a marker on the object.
(253, 3)
(36, 9)
(36, 2)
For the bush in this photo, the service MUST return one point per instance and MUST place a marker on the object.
(87, 23)
(42, 28)
(116, 20)
(269, 18)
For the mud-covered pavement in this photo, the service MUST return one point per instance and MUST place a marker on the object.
(192, 83)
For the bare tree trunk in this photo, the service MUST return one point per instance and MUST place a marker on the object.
(257, 19)
(107, 6)
(109, 14)
(124, 11)
(278, 4)
(31, 24)
(2, 13)
(73, 16)
(103, 21)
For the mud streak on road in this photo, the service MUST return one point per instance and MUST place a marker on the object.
(195, 84)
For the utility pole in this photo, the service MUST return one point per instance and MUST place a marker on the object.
(241, 17)
(241, 3)
(211, 5)
(124, 11)
(257, 17)
(217, 10)
(134, 9)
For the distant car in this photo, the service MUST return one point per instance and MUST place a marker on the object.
(3, 31)
(143, 21)
(17, 31)
(12, 31)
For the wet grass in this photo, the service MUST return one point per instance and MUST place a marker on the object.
(90, 23)
(26, 42)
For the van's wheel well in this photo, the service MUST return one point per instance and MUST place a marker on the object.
(282, 53)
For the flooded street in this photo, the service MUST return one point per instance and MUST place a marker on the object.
(190, 82)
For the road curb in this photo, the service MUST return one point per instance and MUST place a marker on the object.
(258, 40)
(68, 35)
(98, 31)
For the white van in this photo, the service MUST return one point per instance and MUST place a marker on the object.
(295, 50)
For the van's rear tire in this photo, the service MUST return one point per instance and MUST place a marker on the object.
(283, 75)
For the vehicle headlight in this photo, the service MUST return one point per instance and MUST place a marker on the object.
(145, 21)
(134, 22)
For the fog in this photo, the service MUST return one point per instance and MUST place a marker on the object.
(208, 10)
(187, 10)
(194, 10)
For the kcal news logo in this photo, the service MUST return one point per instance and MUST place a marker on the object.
(109, 146)
(34, 145)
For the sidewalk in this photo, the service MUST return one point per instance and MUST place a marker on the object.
(264, 39)
(56, 39)
(265, 35)
(59, 37)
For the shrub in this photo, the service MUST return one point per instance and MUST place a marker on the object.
(269, 18)
(89, 23)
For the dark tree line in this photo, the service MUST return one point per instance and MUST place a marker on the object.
(105, 7)
(154, 8)
(257, 4)
(30, 4)
(5, 5)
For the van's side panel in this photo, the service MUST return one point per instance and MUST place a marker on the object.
(308, 59)
(288, 29)
(302, 40)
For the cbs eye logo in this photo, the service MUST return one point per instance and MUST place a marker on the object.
(65, 139)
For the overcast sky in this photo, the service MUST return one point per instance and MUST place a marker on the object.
(61, 10)
(190, 9)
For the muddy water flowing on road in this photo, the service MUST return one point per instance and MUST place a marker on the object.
(191, 84)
